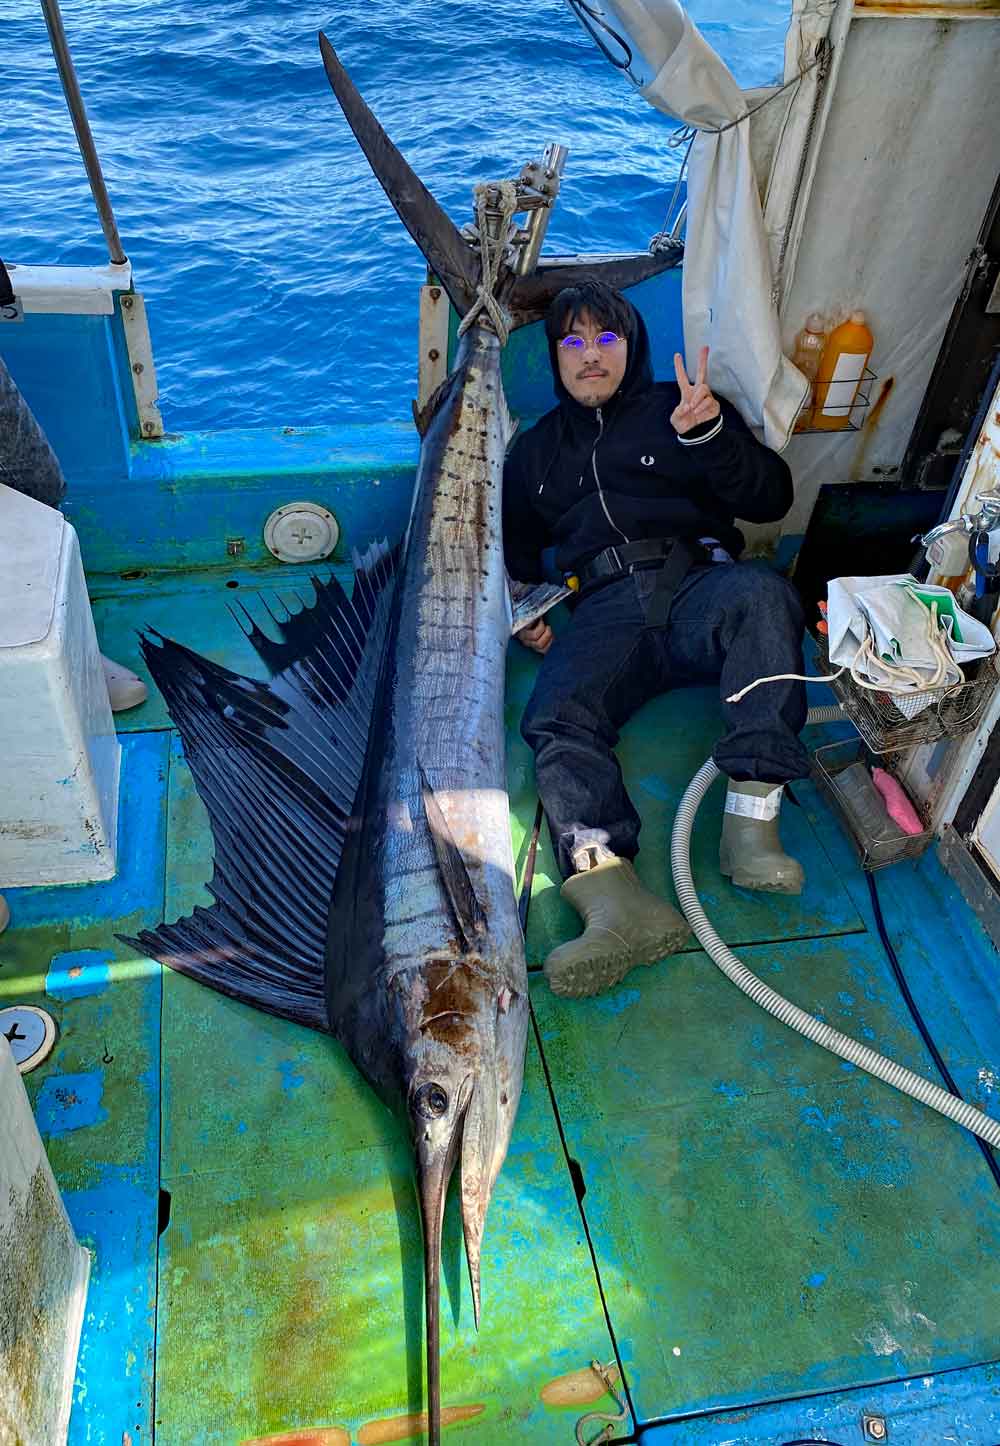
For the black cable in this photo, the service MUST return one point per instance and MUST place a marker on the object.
(911, 1004)
(809, 1441)
(586, 14)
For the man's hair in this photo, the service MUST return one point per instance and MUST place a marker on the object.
(607, 308)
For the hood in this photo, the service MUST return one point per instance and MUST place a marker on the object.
(638, 368)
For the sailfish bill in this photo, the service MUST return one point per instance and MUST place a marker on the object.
(363, 879)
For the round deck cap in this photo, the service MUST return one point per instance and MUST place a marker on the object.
(31, 1034)
(301, 532)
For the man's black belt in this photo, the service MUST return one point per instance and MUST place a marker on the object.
(673, 557)
(648, 552)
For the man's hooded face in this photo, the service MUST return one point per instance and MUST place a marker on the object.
(590, 373)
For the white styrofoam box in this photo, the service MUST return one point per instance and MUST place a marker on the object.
(43, 1278)
(59, 755)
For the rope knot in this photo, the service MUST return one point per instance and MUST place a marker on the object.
(493, 246)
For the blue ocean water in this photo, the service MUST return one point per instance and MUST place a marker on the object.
(282, 289)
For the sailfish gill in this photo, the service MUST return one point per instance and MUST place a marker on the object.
(363, 881)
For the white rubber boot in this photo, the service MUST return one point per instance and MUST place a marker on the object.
(750, 851)
(125, 688)
(625, 925)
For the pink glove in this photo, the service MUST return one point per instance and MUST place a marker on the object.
(897, 805)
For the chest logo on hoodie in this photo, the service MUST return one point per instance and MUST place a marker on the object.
(647, 461)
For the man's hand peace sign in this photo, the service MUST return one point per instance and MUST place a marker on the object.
(697, 405)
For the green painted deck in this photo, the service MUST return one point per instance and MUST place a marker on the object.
(758, 1221)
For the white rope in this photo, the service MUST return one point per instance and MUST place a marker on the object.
(783, 677)
(491, 255)
(883, 676)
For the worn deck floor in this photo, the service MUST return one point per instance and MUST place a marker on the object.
(767, 1243)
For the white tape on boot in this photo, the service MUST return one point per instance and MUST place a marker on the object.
(748, 805)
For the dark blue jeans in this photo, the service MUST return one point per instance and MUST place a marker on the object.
(731, 621)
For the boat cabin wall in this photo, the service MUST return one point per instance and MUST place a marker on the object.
(904, 176)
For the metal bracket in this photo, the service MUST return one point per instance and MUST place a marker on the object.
(432, 360)
(141, 366)
(538, 188)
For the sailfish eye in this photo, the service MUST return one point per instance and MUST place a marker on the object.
(431, 1101)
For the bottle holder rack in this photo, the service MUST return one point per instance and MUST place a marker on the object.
(885, 726)
(862, 400)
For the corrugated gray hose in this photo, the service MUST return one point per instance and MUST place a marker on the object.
(799, 1019)
(27, 462)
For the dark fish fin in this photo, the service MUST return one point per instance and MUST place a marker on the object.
(451, 259)
(277, 766)
(530, 295)
(529, 601)
(470, 917)
(423, 416)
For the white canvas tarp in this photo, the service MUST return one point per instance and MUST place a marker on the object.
(727, 272)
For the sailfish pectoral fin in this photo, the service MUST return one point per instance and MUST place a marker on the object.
(468, 912)
(434, 232)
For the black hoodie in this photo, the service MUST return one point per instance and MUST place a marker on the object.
(583, 478)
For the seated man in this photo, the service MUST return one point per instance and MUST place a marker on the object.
(631, 486)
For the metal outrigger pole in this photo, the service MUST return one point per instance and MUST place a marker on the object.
(84, 136)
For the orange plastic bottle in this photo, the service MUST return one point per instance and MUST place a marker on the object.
(840, 374)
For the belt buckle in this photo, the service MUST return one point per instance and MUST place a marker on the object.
(615, 558)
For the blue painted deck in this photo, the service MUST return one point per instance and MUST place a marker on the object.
(779, 1242)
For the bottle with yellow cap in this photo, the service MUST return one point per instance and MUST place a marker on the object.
(840, 373)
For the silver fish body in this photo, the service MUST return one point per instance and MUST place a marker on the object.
(426, 977)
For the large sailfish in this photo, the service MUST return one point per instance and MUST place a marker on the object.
(363, 881)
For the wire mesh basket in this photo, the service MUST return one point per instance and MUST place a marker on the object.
(880, 717)
(876, 848)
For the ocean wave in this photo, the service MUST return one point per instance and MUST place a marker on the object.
(281, 287)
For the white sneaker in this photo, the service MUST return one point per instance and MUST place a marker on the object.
(4, 913)
(125, 688)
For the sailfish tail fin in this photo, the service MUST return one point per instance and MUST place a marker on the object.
(451, 259)
(434, 232)
(277, 765)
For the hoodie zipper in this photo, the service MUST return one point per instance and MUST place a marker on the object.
(600, 490)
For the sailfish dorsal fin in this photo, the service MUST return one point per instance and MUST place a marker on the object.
(278, 765)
